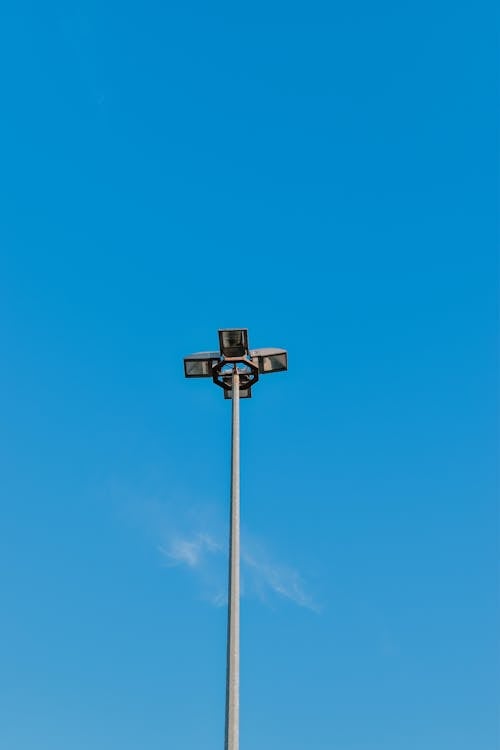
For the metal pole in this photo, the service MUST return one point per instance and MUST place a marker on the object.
(233, 620)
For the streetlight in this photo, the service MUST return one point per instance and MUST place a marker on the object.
(236, 369)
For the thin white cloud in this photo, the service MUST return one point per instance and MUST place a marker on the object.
(261, 576)
(189, 551)
(194, 538)
(280, 579)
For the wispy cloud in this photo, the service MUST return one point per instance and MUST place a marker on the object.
(262, 576)
(193, 538)
(190, 551)
(280, 579)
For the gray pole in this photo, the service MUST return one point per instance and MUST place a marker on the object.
(233, 620)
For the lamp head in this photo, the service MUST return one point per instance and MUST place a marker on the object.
(270, 360)
(233, 342)
(200, 365)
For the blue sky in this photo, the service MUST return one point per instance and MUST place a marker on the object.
(325, 174)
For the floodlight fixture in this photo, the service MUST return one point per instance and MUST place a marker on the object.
(200, 365)
(233, 342)
(270, 360)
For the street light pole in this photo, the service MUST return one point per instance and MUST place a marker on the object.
(233, 620)
(235, 368)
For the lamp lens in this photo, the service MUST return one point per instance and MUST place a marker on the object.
(197, 368)
(233, 342)
(273, 363)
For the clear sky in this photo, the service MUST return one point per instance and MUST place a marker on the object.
(324, 173)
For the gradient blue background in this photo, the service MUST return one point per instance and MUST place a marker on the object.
(325, 174)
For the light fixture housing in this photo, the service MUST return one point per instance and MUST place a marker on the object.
(200, 365)
(244, 393)
(233, 342)
(270, 360)
(245, 388)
